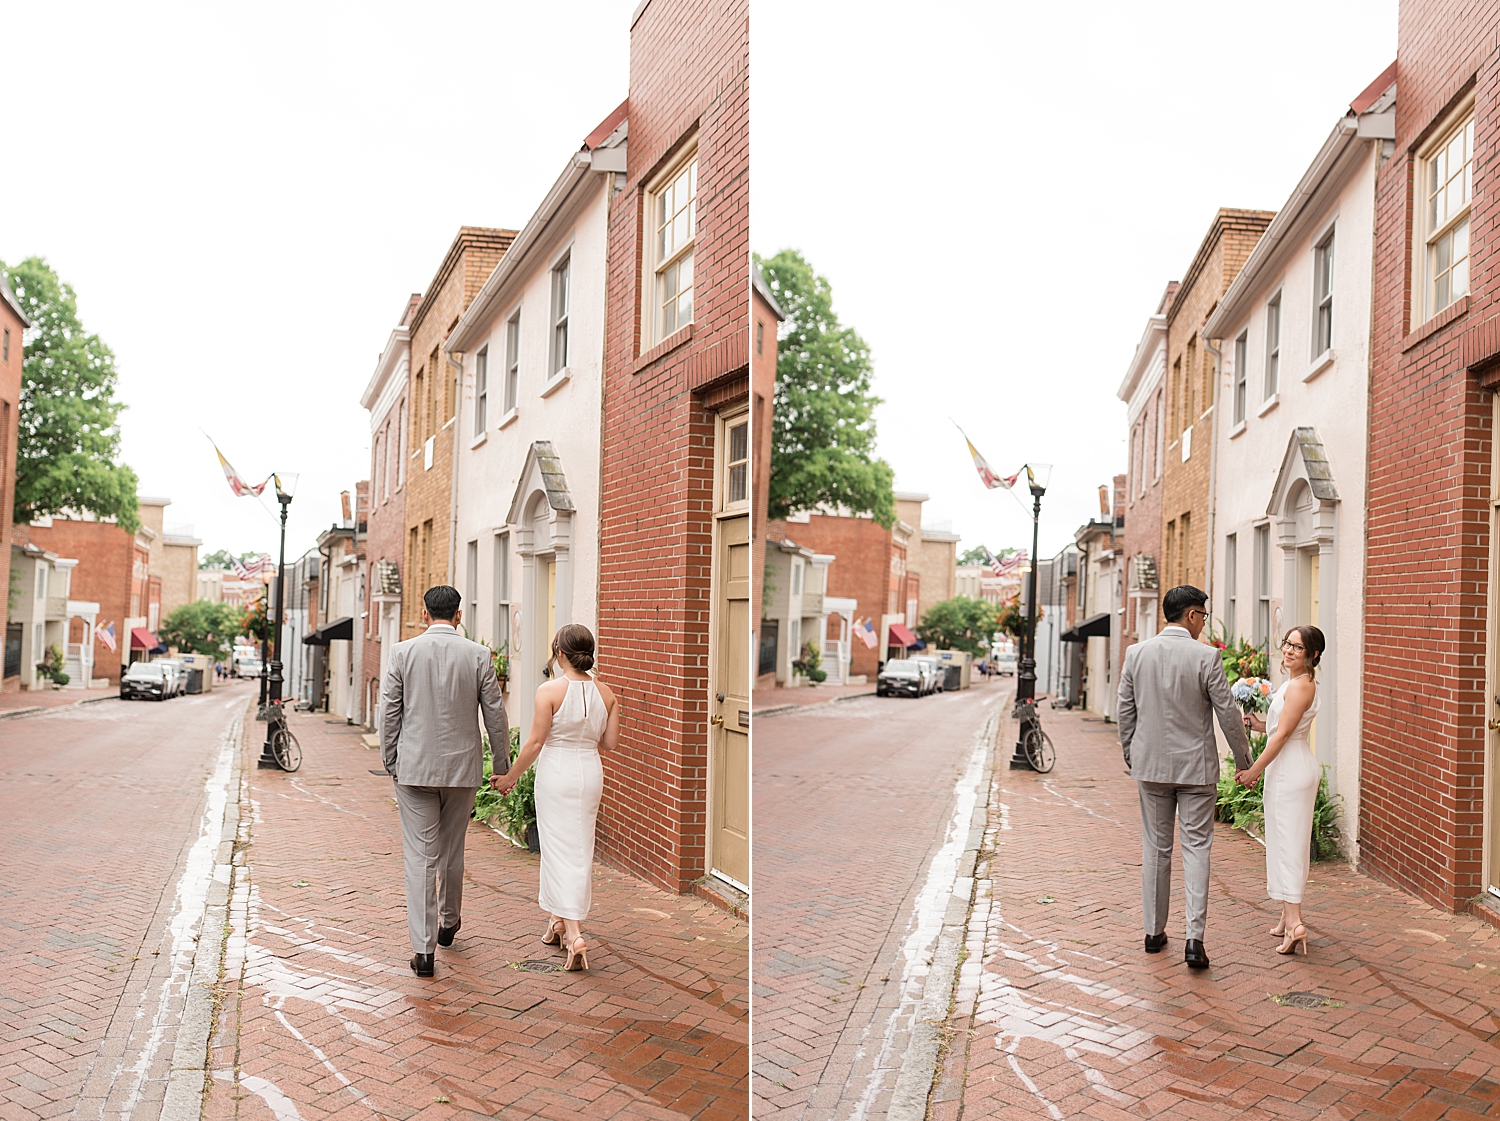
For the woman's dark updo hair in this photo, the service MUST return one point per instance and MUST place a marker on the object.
(575, 642)
(1312, 642)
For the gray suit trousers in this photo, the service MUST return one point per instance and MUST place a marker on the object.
(434, 820)
(1192, 807)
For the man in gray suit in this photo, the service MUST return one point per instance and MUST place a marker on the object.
(438, 685)
(1171, 689)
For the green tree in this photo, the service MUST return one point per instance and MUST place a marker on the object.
(69, 418)
(823, 426)
(960, 623)
(223, 558)
(203, 627)
(976, 555)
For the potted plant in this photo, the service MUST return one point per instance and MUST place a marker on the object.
(515, 812)
(810, 664)
(51, 667)
(500, 658)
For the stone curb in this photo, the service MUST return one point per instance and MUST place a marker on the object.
(34, 709)
(189, 1078)
(919, 1068)
(782, 710)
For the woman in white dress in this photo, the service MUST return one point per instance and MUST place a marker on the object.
(575, 719)
(1292, 777)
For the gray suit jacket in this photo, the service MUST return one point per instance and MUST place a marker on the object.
(1171, 688)
(437, 686)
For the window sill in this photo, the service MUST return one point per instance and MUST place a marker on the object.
(508, 419)
(557, 381)
(1268, 404)
(1320, 363)
(479, 439)
(1456, 310)
(1236, 430)
(663, 348)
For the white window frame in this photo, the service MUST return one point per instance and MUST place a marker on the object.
(1262, 561)
(471, 583)
(1161, 434)
(1432, 230)
(560, 283)
(512, 361)
(1272, 383)
(736, 464)
(663, 263)
(481, 389)
(401, 456)
(501, 576)
(1241, 376)
(1325, 259)
(1231, 582)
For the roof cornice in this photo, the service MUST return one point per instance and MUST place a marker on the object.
(1153, 338)
(396, 348)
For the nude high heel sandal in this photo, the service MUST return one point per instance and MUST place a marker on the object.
(578, 956)
(1296, 941)
(552, 936)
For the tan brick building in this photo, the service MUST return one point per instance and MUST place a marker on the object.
(931, 558)
(1191, 375)
(432, 405)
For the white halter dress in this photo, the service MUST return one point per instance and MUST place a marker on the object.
(1291, 787)
(569, 782)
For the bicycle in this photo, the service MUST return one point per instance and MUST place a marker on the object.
(1034, 742)
(284, 746)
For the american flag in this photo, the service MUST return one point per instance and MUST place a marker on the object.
(106, 635)
(1013, 563)
(865, 629)
(252, 568)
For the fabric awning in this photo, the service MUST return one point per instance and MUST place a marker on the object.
(1095, 626)
(331, 630)
(142, 639)
(900, 636)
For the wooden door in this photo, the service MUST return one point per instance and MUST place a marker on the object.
(729, 707)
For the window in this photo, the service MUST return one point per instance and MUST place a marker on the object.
(481, 388)
(760, 338)
(401, 456)
(512, 360)
(770, 631)
(419, 407)
(41, 581)
(1323, 294)
(673, 216)
(1184, 546)
(1177, 409)
(1241, 367)
(1231, 581)
(1273, 347)
(1262, 632)
(471, 582)
(737, 464)
(501, 636)
(559, 317)
(5, 347)
(796, 576)
(385, 451)
(1161, 436)
(1190, 382)
(1447, 179)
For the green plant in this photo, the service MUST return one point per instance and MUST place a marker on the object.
(516, 811)
(960, 623)
(51, 665)
(500, 658)
(811, 664)
(203, 627)
(254, 621)
(1245, 808)
(1242, 659)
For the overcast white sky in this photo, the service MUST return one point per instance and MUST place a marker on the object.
(244, 197)
(1000, 192)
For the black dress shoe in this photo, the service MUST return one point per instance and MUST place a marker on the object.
(446, 933)
(1155, 943)
(421, 965)
(1194, 954)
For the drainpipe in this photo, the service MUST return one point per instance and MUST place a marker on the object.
(1213, 470)
(458, 412)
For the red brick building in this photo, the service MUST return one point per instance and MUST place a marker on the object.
(12, 354)
(766, 317)
(1428, 773)
(674, 587)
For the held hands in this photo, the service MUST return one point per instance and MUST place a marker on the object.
(504, 784)
(1247, 778)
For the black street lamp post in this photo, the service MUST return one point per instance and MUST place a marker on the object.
(274, 678)
(1026, 672)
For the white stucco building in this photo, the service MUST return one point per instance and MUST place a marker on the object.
(526, 485)
(1288, 481)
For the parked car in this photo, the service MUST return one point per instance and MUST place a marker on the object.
(145, 679)
(246, 667)
(934, 669)
(1006, 663)
(177, 672)
(900, 676)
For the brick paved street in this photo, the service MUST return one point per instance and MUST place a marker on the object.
(102, 881)
(1059, 1012)
(321, 1015)
(853, 803)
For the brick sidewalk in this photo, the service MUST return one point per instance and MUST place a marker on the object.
(51, 698)
(1061, 1014)
(322, 1016)
(763, 699)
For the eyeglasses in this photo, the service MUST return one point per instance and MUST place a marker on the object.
(1294, 646)
(1198, 611)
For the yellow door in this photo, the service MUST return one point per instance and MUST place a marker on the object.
(729, 706)
(551, 602)
(1313, 569)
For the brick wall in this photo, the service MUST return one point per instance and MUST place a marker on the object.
(432, 404)
(1428, 531)
(689, 65)
(106, 558)
(1189, 383)
(763, 327)
(12, 356)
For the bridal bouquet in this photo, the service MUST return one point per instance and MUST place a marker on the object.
(1252, 694)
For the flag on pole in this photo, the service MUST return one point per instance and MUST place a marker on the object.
(237, 484)
(106, 635)
(987, 474)
(251, 569)
(865, 628)
(994, 564)
(1014, 563)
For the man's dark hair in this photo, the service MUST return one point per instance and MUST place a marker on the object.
(443, 602)
(1173, 605)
